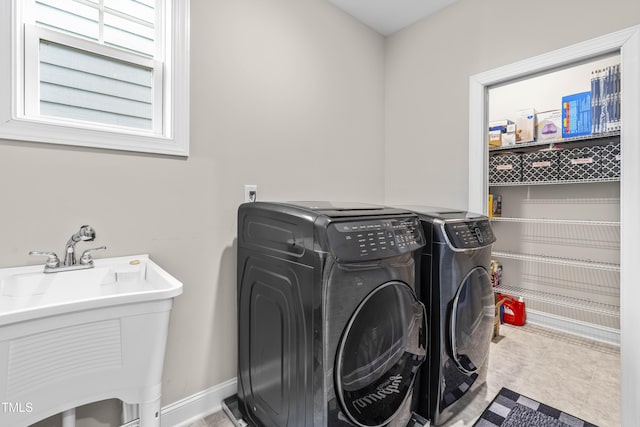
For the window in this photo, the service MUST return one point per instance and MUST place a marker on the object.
(97, 73)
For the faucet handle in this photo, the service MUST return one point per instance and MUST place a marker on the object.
(86, 257)
(52, 259)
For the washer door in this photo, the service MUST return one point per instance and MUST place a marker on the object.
(472, 321)
(379, 353)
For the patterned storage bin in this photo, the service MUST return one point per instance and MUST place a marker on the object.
(610, 160)
(540, 166)
(579, 163)
(505, 168)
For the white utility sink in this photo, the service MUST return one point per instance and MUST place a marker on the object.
(75, 337)
(28, 293)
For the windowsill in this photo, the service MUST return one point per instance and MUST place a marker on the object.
(28, 130)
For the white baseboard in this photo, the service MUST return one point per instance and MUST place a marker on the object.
(192, 408)
(575, 327)
(197, 406)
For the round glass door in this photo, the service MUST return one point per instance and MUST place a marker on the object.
(472, 320)
(379, 354)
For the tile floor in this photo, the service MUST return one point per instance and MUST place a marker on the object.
(575, 375)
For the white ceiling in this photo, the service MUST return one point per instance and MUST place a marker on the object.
(389, 16)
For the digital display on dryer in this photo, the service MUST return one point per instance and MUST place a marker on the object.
(470, 234)
(374, 239)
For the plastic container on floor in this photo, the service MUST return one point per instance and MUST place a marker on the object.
(514, 310)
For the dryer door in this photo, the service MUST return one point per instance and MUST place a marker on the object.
(379, 353)
(472, 321)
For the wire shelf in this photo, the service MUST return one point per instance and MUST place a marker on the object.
(566, 181)
(561, 141)
(557, 221)
(558, 261)
(560, 300)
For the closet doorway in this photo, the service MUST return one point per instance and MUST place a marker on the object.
(626, 43)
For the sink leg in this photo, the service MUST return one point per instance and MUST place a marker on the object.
(150, 414)
(69, 418)
(130, 412)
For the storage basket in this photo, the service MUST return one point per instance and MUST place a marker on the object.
(540, 166)
(505, 168)
(610, 160)
(579, 163)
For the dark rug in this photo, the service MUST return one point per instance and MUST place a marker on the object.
(510, 409)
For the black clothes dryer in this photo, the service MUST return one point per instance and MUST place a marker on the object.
(455, 286)
(330, 330)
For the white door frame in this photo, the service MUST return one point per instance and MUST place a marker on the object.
(627, 43)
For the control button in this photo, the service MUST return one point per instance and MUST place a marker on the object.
(479, 235)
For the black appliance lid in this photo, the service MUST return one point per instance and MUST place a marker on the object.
(443, 214)
(347, 209)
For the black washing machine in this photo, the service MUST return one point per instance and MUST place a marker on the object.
(456, 289)
(330, 330)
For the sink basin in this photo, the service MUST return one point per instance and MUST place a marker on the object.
(27, 292)
(76, 337)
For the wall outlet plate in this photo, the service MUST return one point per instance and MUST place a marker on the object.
(250, 192)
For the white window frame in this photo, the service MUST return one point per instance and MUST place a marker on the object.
(17, 121)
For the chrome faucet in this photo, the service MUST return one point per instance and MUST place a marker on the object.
(52, 265)
(85, 234)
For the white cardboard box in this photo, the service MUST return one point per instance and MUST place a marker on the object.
(526, 125)
(509, 137)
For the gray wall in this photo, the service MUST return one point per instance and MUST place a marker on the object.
(285, 94)
(428, 66)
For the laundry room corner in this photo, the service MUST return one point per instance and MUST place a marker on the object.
(319, 285)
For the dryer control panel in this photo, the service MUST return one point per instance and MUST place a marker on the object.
(469, 234)
(367, 240)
